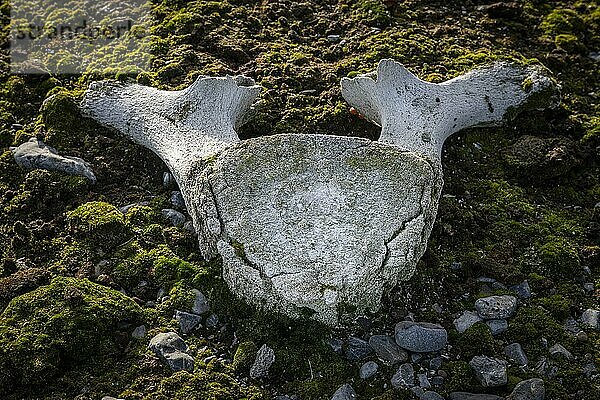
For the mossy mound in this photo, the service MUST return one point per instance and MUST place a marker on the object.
(60, 326)
(99, 222)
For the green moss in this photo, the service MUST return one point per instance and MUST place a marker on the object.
(373, 12)
(180, 297)
(569, 43)
(477, 341)
(169, 270)
(59, 326)
(203, 385)
(530, 325)
(244, 356)
(460, 377)
(62, 119)
(557, 305)
(42, 192)
(141, 216)
(559, 258)
(562, 20)
(99, 222)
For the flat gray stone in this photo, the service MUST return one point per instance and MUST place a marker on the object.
(368, 370)
(515, 353)
(497, 326)
(490, 372)
(591, 318)
(187, 321)
(530, 389)
(496, 307)
(172, 350)
(387, 350)
(420, 337)
(404, 377)
(36, 154)
(345, 392)
(265, 357)
(466, 320)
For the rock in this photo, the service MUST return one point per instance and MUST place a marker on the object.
(591, 318)
(168, 179)
(437, 380)
(334, 38)
(497, 326)
(490, 372)
(126, 208)
(471, 396)
(496, 307)
(189, 226)
(431, 396)
(187, 321)
(501, 9)
(110, 398)
(466, 320)
(212, 321)
(558, 351)
(530, 389)
(200, 303)
(435, 363)
(269, 206)
(345, 392)
(420, 337)
(174, 217)
(139, 332)
(515, 353)
(172, 350)
(368, 369)
(571, 326)
(177, 200)
(357, 349)
(423, 381)
(264, 359)
(36, 154)
(387, 350)
(416, 358)
(336, 345)
(522, 290)
(404, 377)
(590, 370)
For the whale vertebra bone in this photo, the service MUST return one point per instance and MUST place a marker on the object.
(315, 223)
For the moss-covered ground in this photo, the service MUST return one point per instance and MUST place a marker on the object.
(519, 202)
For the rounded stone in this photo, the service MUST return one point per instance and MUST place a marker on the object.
(496, 307)
(421, 337)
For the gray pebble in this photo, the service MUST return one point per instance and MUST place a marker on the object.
(368, 370)
(264, 359)
(345, 392)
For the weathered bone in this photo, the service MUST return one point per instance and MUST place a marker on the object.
(313, 222)
(420, 116)
(179, 126)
